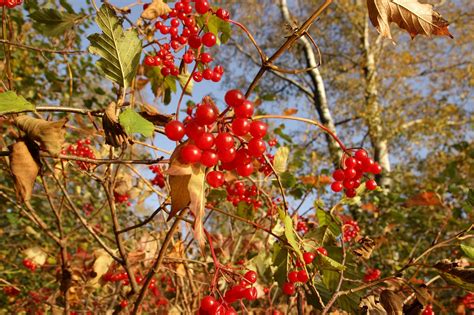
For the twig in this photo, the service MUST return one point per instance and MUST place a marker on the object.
(42, 50)
(158, 261)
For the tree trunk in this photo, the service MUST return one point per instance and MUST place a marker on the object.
(374, 120)
(319, 100)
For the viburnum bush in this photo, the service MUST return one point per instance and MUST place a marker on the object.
(114, 205)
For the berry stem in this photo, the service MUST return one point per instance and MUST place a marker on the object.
(306, 120)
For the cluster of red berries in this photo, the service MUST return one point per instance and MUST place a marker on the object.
(235, 144)
(239, 192)
(350, 230)
(159, 179)
(301, 226)
(301, 275)
(183, 30)
(354, 167)
(122, 198)
(81, 149)
(10, 3)
(88, 209)
(29, 264)
(428, 310)
(372, 274)
(468, 300)
(266, 168)
(10, 291)
(243, 290)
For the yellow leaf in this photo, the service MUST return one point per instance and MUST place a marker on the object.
(155, 9)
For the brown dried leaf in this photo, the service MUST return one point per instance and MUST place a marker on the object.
(423, 294)
(187, 188)
(366, 247)
(123, 184)
(155, 9)
(410, 15)
(391, 302)
(178, 252)
(24, 167)
(50, 134)
(426, 198)
(114, 133)
(152, 114)
(371, 306)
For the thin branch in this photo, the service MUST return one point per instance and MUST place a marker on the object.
(42, 50)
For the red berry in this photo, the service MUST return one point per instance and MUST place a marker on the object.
(350, 162)
(256, 147)
(371, 184)
(289, 288)
(349, 183)
(240, 126)
(194, 41)
(197, 76)
(208, 303)
(207, 74)
(224, 141)
(123, 303)
(209, 39)
(336, 186)
(351, 193)
(251, 276)
(190, 153)
(205, 114)
(349, 173)
(250, 294)
(258, 129)
(245, 110)
(202, 6)
(193, 130)
(361, 154)
(322, 251)
(174, 130)
(245, 170)
(308, 257)
(209, 158)
(293, 276)
(149, 61)
(234, 98)
(227, 155)
(242, 157)
(215, 179)
(376, 169)
(223, 14)
(338, 175)
(205, 141)
(206, 58)
(303, 276)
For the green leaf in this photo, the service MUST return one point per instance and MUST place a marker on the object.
(280, 261)
(135, 123)
(325, 219)
(216, 26)
(119, 50)
(12, 103)
(288, 180)
(51, 22)
(183, 79)
(290, 232)
(328, 263)
(468, 250)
